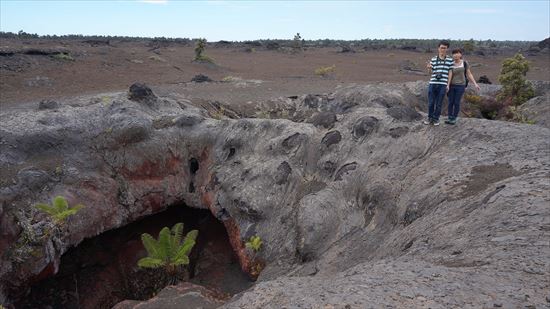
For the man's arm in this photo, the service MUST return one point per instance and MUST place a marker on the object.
(429, 65)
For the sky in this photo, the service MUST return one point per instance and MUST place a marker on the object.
(261, 19)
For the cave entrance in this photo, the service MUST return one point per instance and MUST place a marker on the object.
(102, 271)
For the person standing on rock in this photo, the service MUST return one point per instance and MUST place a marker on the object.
(439, 66)
(458, 80)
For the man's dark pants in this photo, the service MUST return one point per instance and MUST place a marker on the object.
(436, 93)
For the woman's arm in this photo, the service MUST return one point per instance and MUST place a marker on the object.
(472, 79)
(450, 78)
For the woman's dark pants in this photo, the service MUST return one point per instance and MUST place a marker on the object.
(455, 95)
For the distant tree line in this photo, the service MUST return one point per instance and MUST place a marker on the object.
(410, 44)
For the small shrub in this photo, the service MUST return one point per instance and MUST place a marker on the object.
(63, 57)
(263, 114)
(514, 85)
(517, 116)
(254, 243)
(156, 58)
(59, 210)
(217, 113)
(229, 79)
(324, 71)
(473, 99)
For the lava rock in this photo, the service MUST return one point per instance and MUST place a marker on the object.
(48, 104)
(323, 119)
(200, 78)
(331, 138)
(483, 79)
(365, 126)
(141, 93)
(404, 113)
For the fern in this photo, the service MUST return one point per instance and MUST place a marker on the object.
(169, 251)
(59, 210)
(255, 243)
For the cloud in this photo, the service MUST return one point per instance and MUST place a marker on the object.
(480, 11)
(154, 1)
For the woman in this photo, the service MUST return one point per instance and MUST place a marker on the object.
(456, 85)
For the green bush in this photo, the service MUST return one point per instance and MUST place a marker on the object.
(200, 46)
(59, 210)
(168, 252)
(514, 85)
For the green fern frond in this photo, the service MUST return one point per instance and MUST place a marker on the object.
(177, 231)
(184, 260)
(46, 208)
(164, 244)
(63, 215)
(149, 262)
(188, 244)
(60, 203)
(150, 245)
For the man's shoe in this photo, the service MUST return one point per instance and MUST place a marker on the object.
(453, 121)
(427, 122)
(448, 121)
(436, 123)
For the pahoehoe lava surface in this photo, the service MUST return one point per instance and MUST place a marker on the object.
(358, 204)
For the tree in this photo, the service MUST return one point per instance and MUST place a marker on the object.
(297, 43)
(469, 46)
(59, 210)
(199, 48)
(168, 251)
(515, 86)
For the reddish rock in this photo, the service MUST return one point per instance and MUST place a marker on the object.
(183, 295)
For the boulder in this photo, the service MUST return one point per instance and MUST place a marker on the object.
(141, 93)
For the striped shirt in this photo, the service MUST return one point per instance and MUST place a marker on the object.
(440, 66)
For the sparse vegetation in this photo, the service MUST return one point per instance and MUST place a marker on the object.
(229, 79)
(519, 116)
(63, 57)
(200, 46)
(59, 210)
(297, 43)
(469, 46)
(325, 71)
(156, 58)
(515, 86)
(473, 99)
(254, 243)
(217, 113)
(169, 251)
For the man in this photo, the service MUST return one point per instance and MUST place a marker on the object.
(439, 67)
